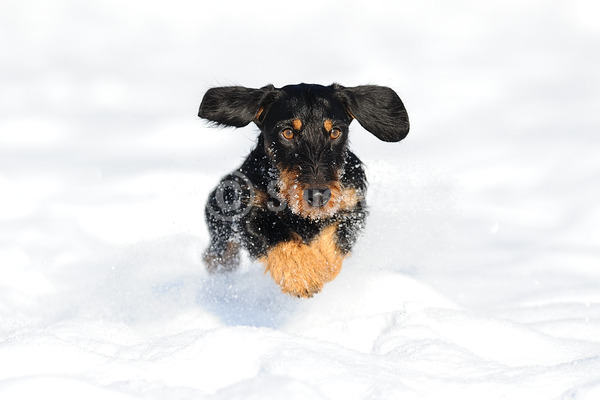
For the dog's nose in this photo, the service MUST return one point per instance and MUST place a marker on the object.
(317, 197)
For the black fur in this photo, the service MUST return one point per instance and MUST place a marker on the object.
(234, 105)
(378, 109)
(248, 207)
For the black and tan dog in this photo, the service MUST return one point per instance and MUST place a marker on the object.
(297, 202)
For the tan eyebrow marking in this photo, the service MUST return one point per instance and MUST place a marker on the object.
(297, 124)
(328, 125)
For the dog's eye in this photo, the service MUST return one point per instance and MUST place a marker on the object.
(335, 133)
(287, 134)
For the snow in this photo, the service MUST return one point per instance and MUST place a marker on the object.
(478, 272)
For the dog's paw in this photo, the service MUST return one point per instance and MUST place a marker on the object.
(226, 261)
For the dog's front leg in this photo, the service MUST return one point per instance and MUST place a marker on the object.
(225, 208)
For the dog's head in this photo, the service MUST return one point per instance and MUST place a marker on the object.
(305, 131)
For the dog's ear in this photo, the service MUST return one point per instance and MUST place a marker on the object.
(377, 108)
(235, 105)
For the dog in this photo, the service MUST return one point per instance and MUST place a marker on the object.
(297, 203)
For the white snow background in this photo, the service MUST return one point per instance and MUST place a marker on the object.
(478, 275)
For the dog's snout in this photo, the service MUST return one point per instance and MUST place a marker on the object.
(317, 197)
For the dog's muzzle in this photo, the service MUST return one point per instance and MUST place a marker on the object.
(317, 197)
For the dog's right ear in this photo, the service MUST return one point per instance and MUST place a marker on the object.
(378, 109)
(235, 105)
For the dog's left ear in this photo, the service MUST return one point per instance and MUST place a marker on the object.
(377, 108)
(234, 105)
